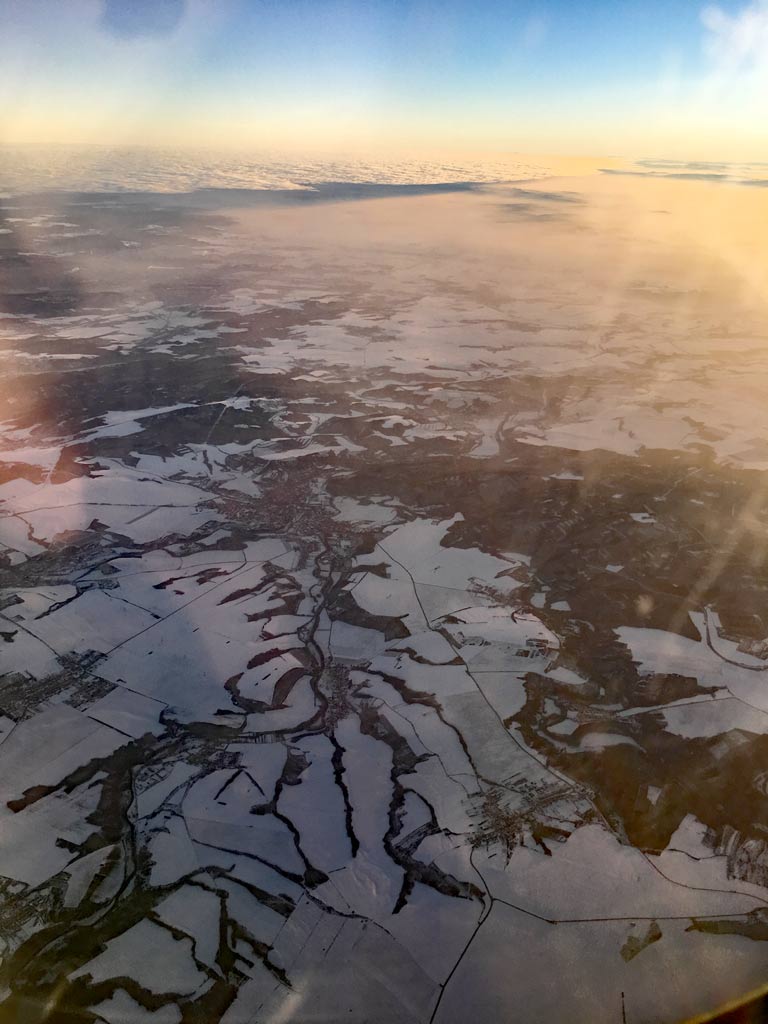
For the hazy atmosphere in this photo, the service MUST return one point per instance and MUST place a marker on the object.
(383, 512)
(666, 78)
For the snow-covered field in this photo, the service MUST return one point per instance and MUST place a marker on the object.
(381, 606)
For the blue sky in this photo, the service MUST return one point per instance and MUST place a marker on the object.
(468, 74)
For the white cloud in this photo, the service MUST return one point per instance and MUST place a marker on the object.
(733, 93)
(738, 41)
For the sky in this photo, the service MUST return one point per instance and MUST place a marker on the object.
(658, 78)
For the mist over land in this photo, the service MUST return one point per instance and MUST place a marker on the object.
(382, 589)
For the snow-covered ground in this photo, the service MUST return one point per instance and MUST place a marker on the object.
(371, 584)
